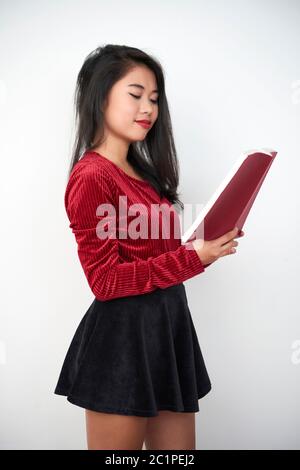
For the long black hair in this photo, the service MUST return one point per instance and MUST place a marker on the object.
(154, 158)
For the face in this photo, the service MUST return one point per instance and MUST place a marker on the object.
(127, 104)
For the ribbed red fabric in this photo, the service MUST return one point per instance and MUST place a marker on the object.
(116, 266)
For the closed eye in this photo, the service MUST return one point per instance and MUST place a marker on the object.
(138, 97)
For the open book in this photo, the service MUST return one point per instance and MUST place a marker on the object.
(229, 206)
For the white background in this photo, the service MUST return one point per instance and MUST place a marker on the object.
(232, 80)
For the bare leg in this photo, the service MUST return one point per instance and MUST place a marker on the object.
(114, 431)
(171, 430)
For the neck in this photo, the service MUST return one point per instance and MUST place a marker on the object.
(114, 151)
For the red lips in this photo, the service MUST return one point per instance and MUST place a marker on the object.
(145, 124)
(144, 121)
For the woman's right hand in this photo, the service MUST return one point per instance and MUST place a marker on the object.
(210, 251)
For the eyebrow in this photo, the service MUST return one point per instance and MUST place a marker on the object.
(140, 86)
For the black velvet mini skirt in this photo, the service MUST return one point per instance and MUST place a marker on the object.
(136, 355)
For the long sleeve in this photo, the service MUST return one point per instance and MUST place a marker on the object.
(107, 274)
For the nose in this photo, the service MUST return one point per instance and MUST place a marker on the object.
(147, 108)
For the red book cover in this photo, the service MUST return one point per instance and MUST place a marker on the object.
(231, 203)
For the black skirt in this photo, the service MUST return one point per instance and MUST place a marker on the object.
(136, 355)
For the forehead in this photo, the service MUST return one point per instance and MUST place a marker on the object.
(141, 75)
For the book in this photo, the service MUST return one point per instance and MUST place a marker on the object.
(230, 204)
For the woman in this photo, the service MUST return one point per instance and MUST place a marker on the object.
(134, 362)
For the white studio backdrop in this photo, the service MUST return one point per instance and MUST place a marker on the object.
(232, 74)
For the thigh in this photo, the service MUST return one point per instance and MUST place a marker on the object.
(114, 431)
(171, 430)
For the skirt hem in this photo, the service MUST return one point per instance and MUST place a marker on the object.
(132, 411)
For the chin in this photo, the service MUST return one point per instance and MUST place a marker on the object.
(137, 138)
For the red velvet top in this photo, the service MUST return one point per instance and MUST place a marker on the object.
(118, 265)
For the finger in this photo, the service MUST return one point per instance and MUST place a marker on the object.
(229, 251)
(228, 236)
(229, 245)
